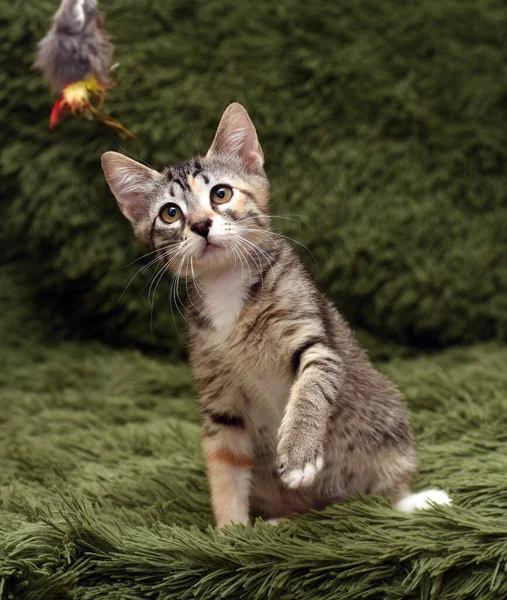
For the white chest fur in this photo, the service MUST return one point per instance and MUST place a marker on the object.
(224, 297)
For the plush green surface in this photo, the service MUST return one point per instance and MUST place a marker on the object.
(383, 125)
(103, 491)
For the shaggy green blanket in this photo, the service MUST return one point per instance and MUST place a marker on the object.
(103, 490)
(384, 128)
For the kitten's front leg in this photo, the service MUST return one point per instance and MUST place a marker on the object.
(228, 451)
(319, 375)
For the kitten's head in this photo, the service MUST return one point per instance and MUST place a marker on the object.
(198, 214)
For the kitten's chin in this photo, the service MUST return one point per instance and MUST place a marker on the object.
(213, 250)
(213, 259)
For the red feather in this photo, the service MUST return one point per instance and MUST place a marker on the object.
(57, 112)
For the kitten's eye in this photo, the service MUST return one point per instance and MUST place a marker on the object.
(170, 213)
(221, 194)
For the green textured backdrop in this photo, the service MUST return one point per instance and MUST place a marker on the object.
(384, 126)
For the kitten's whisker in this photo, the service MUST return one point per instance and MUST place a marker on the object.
(194, 279)
(200, 286)
(173, 283)
(193, 132)
(166, 266)
(194, 282)
(274, 233)
(174, 301)
(158, 278)
(186, 281)
(255, 248)
(246, 250)
(165, 255)
(159, 274)
(269, 258)
(178, 275)
(235, 256)
(257, 264)
(189, 297)
(152, 301)
(240, 248)
(295, 242)
(134, 156)
(143, 268)
(271, 217)
(149, 254)
(230, 243)
(235, 253)
(240, 255)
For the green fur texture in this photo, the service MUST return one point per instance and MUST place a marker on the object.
(383, 126)
(384, 129)
(103, 491)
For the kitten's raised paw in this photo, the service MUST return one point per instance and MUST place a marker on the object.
(303, 476)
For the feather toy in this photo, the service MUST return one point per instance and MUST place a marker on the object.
(76, 58)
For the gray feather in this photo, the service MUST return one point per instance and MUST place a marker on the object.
(75, 46)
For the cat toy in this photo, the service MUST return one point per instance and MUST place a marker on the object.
(76, 57)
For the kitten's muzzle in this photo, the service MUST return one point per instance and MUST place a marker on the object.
(202, 227)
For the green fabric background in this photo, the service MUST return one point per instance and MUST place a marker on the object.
(384, 130)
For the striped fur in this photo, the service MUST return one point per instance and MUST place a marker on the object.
(295, 415)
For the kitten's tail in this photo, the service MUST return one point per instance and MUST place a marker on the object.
(423, 500)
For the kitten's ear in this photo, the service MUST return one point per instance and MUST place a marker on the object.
(131, 182)
(236, 137)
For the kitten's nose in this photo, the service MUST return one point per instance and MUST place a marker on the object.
(202, 227)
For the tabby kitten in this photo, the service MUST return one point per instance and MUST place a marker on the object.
(295, 415)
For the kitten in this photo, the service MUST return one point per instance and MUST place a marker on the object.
(295, 415)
